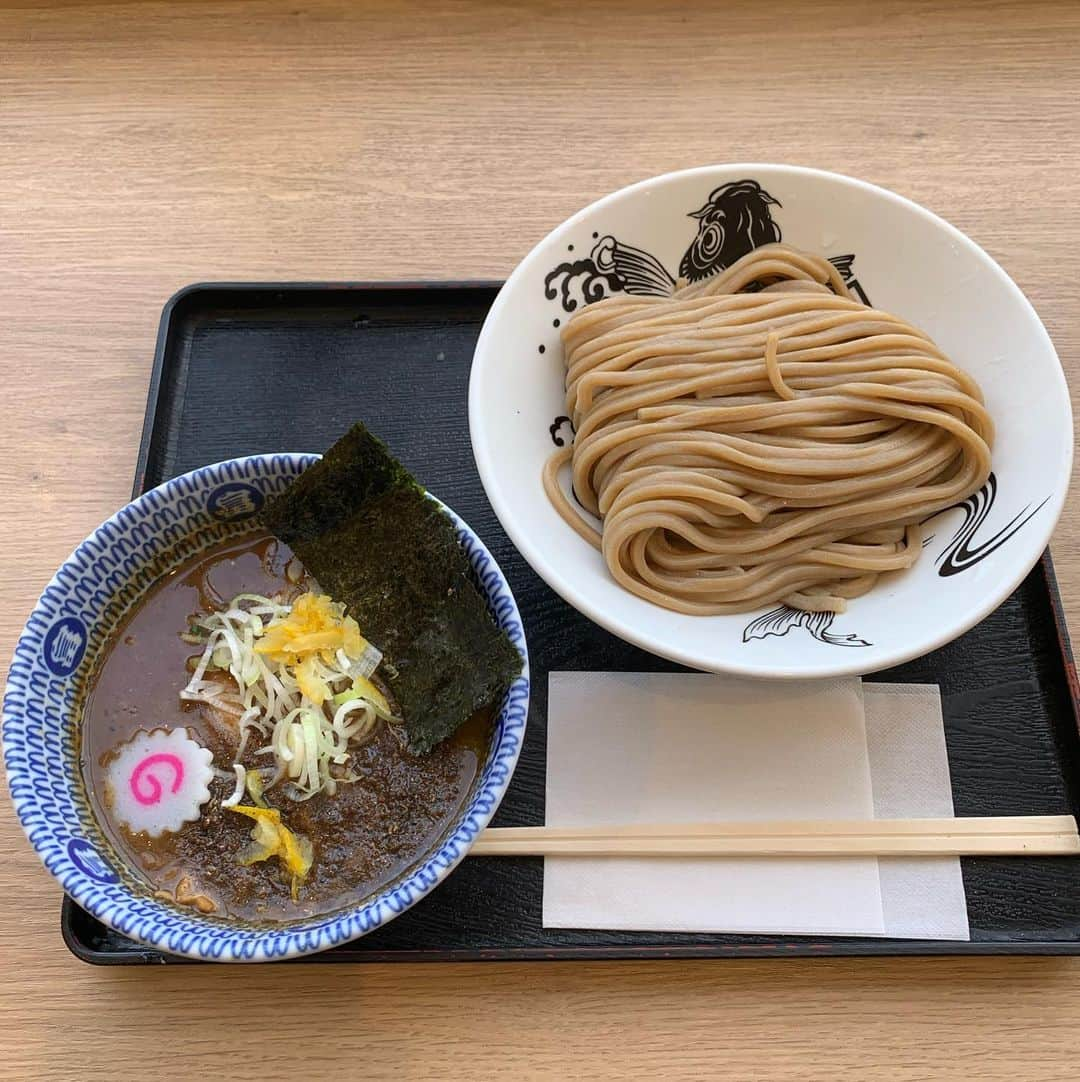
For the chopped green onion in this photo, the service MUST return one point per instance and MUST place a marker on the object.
(310, 743)
(238, 792)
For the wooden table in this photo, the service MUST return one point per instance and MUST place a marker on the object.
(147, 145)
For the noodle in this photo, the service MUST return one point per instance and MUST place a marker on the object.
(761, 437)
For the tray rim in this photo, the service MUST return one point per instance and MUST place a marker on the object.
(794, 947)
(781, 947)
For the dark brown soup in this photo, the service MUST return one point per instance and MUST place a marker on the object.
(363, 836)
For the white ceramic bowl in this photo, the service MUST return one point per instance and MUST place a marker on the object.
(898, 255)
(42, 718)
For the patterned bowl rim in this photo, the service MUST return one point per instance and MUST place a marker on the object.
(51, 814)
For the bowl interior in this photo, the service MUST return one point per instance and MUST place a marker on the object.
(42, 715)
(893, 254)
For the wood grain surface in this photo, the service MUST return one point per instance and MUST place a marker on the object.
(147, 145)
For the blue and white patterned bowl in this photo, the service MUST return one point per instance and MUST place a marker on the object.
(42, 715)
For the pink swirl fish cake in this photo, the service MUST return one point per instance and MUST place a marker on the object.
(159, 780)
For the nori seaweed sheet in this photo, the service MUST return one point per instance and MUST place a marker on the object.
(361, 524)
(358, 467)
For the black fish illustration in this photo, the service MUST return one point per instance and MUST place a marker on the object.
(593, 284)
(845, 264)
(641, 274)
(781, 620)
(612, 267)
(555, 429)
(961, 553)
(734, 221)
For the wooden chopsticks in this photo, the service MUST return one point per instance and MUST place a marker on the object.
(1021, 835)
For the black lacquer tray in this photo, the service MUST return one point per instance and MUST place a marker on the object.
(242, 369)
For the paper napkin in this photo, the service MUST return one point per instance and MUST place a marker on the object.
(628, 748)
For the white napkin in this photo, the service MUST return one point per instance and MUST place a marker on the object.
(691, 747)
(650, 747)
(922, 897)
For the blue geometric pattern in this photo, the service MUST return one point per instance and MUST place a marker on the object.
(41, 716)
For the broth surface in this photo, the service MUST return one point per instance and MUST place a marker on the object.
(364, 836)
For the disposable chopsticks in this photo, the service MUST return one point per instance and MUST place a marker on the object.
(1023, 835)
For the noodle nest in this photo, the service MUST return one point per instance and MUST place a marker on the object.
(761, 437)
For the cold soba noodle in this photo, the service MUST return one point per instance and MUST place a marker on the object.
(761, 437)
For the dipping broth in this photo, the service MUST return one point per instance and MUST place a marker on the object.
(358, 835)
